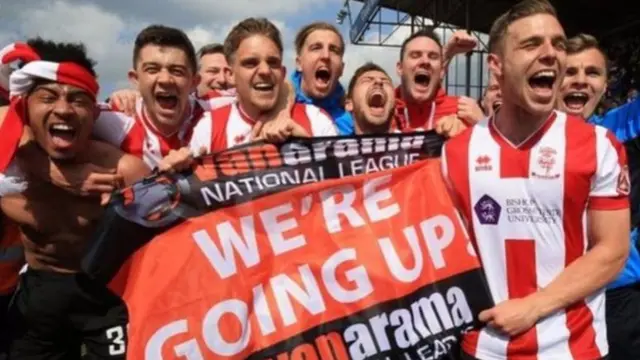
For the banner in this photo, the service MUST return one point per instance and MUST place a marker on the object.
(325, 248)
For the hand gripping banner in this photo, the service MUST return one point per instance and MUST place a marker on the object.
(324, 248)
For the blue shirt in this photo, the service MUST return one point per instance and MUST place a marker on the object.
(624, 123)
(332, 104)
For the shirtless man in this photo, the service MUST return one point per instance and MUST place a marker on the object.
(56, 308)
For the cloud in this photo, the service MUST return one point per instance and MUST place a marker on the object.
(244, 8)
(108, 28)
(103, 37)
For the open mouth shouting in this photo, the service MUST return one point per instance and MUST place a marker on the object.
(542, 83)
(166, 100)
(62, 134)
(323, 77)
(422, 80)
(377, 102)
(496, 105)
(575, 101)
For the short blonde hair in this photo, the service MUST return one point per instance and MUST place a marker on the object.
(247, 28)
(307, 30)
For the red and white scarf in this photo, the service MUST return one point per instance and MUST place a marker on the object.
(16, 83)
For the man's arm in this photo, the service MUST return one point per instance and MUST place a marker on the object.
(278, 125)
(608, 231)
(461, 42)
(609, 237)
(132, 169)
(128, 167)
(608, 234)
(450, 126)
(469, 111)
(286, 100)
(3, 113)
(125, 101)
(608, 221)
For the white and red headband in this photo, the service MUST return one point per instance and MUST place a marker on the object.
(19, 81)
(15, 83)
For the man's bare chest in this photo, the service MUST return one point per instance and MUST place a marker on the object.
(49, 210)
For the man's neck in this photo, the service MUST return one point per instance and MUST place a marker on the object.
(406, 96)
(363, 127)
(517, 124)
(165, 129)
(251, 112)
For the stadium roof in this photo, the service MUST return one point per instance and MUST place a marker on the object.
(601, 18)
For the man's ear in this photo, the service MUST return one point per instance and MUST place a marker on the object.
(133, 78)
(495, 65)
(196, 81)
(298, 64)
(348, 104)
(232, 77)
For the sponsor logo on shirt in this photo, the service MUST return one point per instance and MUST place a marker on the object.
(483, 163)
(531, 211)
(546, 163)
(487, 210)
(624, 184)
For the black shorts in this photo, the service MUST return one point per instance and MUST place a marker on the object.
(623, 322)
(5, 299)
(63, 316)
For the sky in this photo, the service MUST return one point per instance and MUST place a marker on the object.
(108, 29)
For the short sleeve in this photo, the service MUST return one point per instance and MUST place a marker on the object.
(112, 126)
(201, 137)
(610, 185)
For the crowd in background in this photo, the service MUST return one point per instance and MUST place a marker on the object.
(624, 67)
(563, 244)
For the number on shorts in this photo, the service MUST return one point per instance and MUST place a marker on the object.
(116, 336)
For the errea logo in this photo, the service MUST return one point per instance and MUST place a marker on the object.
(483, 163)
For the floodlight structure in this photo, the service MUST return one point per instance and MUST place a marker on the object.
(377, 21)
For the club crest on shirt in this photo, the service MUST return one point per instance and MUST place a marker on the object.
(483, 163)
(546, 163)
(238, 139)
(624, 184)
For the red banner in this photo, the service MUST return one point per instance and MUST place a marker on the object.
(361, 267)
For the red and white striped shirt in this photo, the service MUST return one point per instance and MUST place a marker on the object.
(137, 135)
(526, 206)
(229, 126)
